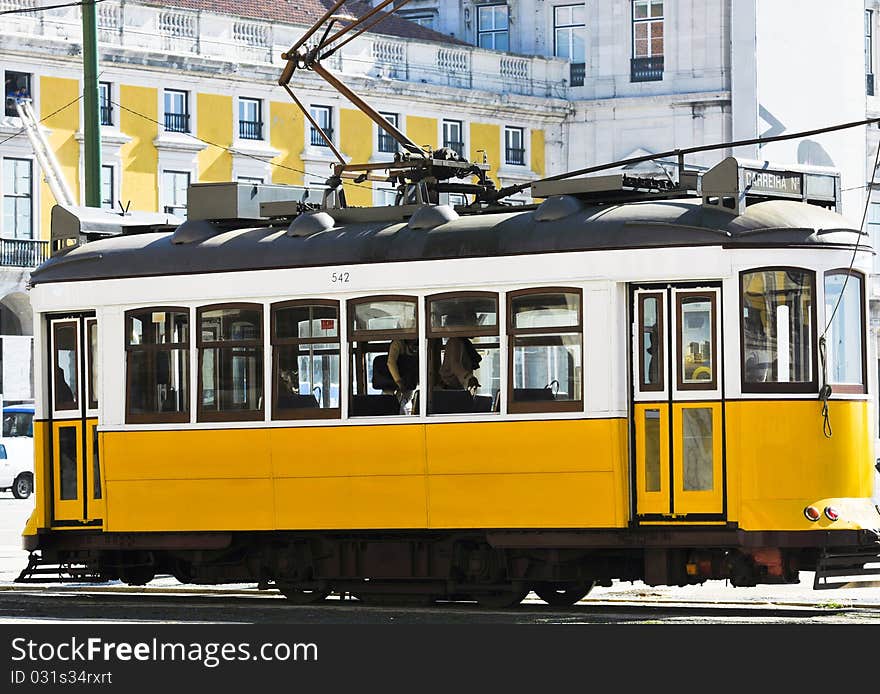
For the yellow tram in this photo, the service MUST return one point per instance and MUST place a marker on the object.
(214, 400)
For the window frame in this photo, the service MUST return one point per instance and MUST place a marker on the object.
(105, 106)
(660, 357)
(159, 417)
(15, 233)
(260, 347)
(509, 130)
(811, 386)
(680, 384)
(382, 137)
(447, 142)
(315, 139)
(851, 388)
(528, 407)
(492, 32)
(571, 29)
(185, 114)
(259, 123)
(431, 332)
(303, 413)
(112, 180)
(646, 20)
(170, 209)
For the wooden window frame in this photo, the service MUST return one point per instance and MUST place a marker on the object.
(91, 356)
(679, 352)
(811, 386)
(260, 346)
(159, 417)
(515, 407)
(66, 405)
(432, 332)
(660, 356)
(852, 388)
(303, 412)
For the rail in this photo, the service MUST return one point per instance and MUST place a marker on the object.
(23, 252)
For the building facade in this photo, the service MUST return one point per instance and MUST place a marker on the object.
(533, 87)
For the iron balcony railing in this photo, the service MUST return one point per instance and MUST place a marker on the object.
(515, 156)
(318, 141)
(250, 129)
(106, 114)
(457, 147)
(647, 69)
(578, 72)
(177, 122)
(23, 252)
(387, 143)
(869, 84)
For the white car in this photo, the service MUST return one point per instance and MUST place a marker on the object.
(16, 471)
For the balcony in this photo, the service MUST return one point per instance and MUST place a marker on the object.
(23, 252)
(250, 129)
(577, 74)
(457, 147)
(647, 69)
(317, 141)
(869, 84)
(177, 122)
(515, 156)
(106, 114)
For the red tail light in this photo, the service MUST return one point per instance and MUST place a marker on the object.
(812, 513)
(831, 513)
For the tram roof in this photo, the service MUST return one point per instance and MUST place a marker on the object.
(631, 225)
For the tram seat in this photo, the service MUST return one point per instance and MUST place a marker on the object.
(374, 405)
(295, 401)
(482, 403)
(451, 401)
(532, 394)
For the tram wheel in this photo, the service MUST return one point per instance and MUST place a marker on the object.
(563, 594)
(498, 599)
(298, 596)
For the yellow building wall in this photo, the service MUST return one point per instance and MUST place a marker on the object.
(356, 142)
(538, 153)
(287, 135)
(422, 131)
(487, 137)
(59, 93)
(139, 158)
(215, 125)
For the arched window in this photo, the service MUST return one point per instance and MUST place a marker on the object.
(230, 362)
(383, 338)
(464, 361)
(778, 330)
(545, 333)
(305, 359)
(157, 365)
(845, 335)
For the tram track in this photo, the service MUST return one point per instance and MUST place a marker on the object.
(126, 604)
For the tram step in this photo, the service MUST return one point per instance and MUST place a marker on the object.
(38, 571)
(860, 569)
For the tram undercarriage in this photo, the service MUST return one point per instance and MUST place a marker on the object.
(495, 568)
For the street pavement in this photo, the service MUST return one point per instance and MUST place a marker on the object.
(15, 512)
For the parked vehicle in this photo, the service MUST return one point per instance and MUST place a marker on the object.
(16, 473)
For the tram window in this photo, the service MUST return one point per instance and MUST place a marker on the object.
(545, 343)
(66, 366)
(696, 341)
(844, 339)
(230, 362)
(305, 359)
(651, 342)
(778, 333)
(92, 338)
(383, 339)
(464, 360)
(157, 365)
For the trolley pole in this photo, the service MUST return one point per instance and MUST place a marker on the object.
(92, 123)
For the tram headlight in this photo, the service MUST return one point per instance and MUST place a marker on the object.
(831, 513)
(812, 513)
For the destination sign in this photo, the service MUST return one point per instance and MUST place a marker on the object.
(772, 182)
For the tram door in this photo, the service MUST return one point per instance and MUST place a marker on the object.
(676, 412)
(77, 494)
